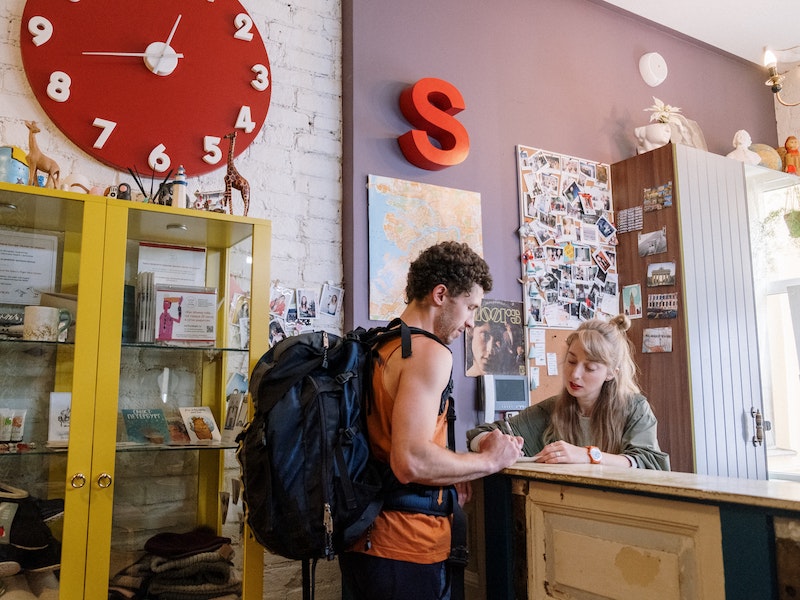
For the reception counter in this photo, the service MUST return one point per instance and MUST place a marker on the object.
(588, 531)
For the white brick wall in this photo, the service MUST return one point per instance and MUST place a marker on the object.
(294, 166)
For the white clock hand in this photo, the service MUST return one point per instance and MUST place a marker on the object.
(145, 54)
(156, 69)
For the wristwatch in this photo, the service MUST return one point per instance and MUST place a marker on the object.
(595, 456)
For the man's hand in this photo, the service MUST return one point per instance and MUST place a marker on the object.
(504, 449)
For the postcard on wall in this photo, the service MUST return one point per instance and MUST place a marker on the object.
(653, 242)
(662, 306)
(185, 316)
(657, 339)
(630, 219)
(306, 303)
(659, 274)
(632, 301)
(657, 198)
(30, 265)
(145, 425)
(200, 424)
(58, 424)
(280, 299)
(330, 301)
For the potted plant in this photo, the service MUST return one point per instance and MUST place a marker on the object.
(658, 132)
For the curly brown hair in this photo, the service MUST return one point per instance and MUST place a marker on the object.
(453, 264)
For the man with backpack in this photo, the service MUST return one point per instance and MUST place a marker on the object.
(404, 553)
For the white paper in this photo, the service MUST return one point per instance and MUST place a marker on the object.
(28, 263)
(58, 425)
(552, 363)
(175, 265)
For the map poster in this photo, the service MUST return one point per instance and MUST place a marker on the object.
(406, 217)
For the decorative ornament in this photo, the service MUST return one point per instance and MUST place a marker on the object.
(790, 155)
(234, 180)
(37, 161)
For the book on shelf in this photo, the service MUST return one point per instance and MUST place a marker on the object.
(200, 424)
(58, 424)
(185, 316)
(145, 425)
(178, 434)
(145, 299)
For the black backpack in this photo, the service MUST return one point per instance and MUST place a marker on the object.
(309, 482)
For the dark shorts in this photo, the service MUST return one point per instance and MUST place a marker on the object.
(366, 577)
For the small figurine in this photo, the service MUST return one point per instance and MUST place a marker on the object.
(38, 161)
(233, 179)
(742, 152)
(790, 155)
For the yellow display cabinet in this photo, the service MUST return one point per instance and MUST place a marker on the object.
(120, 489)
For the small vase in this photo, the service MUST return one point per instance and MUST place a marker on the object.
(652, 136)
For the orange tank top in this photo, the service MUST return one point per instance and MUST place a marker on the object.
(410, 537)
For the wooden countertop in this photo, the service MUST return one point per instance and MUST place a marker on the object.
(774, 494)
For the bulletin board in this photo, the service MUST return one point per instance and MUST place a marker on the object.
(568, 244)
(555, 343)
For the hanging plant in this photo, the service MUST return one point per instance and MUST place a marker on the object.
(791, 215)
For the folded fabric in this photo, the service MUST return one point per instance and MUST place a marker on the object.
(217, 572)
(177, 545)
(133, 576)
(171, 590)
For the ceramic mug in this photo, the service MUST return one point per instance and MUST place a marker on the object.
(45, 323)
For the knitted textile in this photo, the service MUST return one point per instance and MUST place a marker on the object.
(177, 545)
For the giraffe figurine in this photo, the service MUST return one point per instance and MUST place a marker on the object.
(38, 161)
(234, 180)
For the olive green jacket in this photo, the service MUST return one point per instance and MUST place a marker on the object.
(638, 438)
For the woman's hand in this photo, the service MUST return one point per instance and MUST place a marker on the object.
(464, 491)
(561, 452)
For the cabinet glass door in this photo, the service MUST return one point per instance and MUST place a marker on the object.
(50, 250)
(174, 359)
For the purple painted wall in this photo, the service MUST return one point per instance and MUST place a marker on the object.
(555, 74)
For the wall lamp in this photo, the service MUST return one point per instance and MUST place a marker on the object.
(775, 79)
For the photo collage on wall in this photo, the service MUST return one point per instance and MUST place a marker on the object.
(658, 304)
(293, 311)
(568, 239)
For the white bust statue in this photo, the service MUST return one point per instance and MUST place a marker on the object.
(741, 151)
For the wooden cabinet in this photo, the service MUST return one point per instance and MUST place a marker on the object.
(117, 494)
(706, 390)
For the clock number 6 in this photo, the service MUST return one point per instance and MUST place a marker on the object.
(158, 159)
(41, 29)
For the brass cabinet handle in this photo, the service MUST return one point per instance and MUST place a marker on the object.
(78, 480)
(104, 480)
(758, 422)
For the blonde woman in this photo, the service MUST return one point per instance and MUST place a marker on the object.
(600, 417)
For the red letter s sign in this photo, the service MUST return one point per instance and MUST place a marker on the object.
(429, 105)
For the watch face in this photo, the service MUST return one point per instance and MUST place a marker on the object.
(594, 454)
(150, 84)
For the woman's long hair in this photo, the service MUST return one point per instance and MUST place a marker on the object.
(606, 343)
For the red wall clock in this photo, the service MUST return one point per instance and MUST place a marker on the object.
(148, 83)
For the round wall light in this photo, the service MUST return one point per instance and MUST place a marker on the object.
(653, 68)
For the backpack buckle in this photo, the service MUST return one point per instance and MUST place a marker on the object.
(459, 556)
